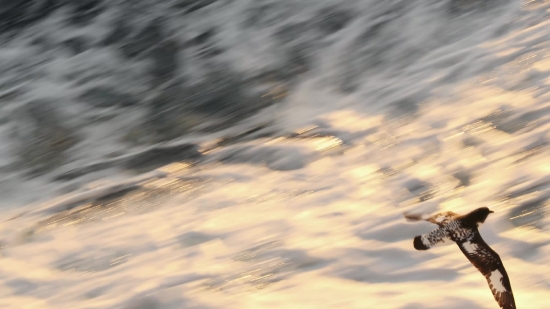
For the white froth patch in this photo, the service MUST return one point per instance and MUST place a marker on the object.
(496, 281)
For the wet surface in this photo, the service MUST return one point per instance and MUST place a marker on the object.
(92, 264)
(530, 205)
(289, 138)
(262, 266)
(531, 214)
(149, 197)
(507, 121)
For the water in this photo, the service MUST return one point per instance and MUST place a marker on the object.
(260, 154)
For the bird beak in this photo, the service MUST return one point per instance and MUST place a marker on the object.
(490, 211)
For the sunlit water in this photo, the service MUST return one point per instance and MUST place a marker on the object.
(286, 188)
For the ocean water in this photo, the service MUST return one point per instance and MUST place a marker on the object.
(262, 153)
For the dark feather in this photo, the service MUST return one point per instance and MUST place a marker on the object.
(488, 262)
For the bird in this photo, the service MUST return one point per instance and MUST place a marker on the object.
(464, 231)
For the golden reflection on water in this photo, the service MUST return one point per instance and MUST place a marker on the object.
(256, 268)
(149, 196)
(264, 265)
(175, 168)
(327, 143)
(93, 263)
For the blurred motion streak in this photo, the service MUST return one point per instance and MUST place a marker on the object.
(260, 153)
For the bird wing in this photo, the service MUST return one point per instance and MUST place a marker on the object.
(488, 262)
(437, 237)
(441, 219)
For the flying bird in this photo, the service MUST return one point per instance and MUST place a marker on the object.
(463, 230)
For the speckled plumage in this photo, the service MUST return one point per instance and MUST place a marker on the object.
(463, 230)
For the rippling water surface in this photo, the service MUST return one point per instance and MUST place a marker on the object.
(261, 154)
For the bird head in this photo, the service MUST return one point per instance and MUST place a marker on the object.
(480, 215)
